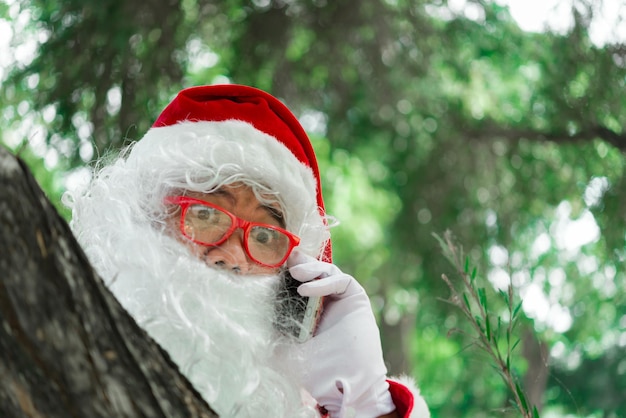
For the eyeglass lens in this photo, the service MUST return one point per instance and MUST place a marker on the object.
(210, 225)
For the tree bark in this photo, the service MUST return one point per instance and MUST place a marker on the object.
(536, 353)
(67, 348)
(397, 353)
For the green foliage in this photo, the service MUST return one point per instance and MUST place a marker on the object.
(50, 179)
(100, 65)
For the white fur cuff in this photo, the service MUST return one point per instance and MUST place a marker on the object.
(420, 409)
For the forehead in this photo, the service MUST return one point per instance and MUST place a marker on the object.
(236, 193)
(242, 201)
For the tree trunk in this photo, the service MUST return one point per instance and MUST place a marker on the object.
(536, 377)
(67, 348)
(395, 345)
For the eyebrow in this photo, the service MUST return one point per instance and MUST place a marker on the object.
(275, 213)
(272, 211)
(225, 194)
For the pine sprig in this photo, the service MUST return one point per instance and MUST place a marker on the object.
(492, 334)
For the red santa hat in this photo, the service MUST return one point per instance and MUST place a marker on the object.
(271, 133)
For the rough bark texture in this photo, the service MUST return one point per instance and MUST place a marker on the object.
(67, 348)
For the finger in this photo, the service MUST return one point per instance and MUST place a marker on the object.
(335, 285)
(306, 268)
(306, 272)
(298, 257)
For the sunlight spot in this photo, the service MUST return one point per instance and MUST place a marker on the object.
(606, 26)
(22, 108)
(114, 100)
(455, 8)
(537, 306)
(32, 81)
(499, 278)
(559, 318)
(541, 15)
(221, 79)
(314, 121)
(84, 128)
(571, 234)
(557, 277)
(392, 315)
(498, 255)
(517, 260)
(587, 264)
(51, 159)
(557, 350)
(574, 360)
(595, 190)
(404, 106)
(483, 195)
(520, 278)
(200, 56)
(535, 302)
(539, 276)
(49, 113)
(540, 246)
(604, 283)
(424, 216)
(85, 151)
(26, 52)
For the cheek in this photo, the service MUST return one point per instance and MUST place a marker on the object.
(262, 270)
(172, 228)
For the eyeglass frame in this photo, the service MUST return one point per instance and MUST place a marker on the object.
(236, 222)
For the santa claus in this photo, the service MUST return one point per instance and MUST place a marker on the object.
(201, 228)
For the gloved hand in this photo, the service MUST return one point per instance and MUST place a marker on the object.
(344, 369)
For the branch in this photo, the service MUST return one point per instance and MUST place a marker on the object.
(487, 326)
(589, 134)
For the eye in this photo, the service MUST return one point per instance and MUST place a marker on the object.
(204, 214)
(265, 236)
(205, 224)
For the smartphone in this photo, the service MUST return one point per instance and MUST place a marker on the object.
(297, 315)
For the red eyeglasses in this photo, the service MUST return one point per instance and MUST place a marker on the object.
(207, 224)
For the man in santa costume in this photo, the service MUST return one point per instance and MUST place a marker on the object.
(199, 227)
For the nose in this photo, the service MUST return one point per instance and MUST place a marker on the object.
(230, 255)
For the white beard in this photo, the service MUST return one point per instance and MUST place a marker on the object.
(217, 327)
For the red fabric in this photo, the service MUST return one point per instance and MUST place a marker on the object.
(265, 112)
(402, 398)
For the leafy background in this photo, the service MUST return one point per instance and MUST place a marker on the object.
(427, 116)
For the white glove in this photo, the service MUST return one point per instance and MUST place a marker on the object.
(344, 367)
